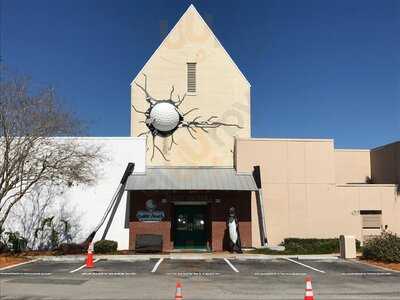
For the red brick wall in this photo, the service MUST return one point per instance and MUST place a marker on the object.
(219, 230)
(218, 212)
(163, 228)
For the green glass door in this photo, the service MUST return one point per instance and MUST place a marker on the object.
(190, 227)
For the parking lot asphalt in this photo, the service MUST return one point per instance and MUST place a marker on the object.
(216, 278)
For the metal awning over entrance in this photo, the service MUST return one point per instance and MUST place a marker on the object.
(191, 178)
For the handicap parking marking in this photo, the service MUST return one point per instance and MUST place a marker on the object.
(25, 274)
(367, 274)
(193, 274)
(188, 267)
(116, 267)
(84, 265)
(157, 265)
(108, 273)
(279, 274)
(304, 265)
(231, 265)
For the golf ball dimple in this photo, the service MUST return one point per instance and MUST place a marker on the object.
(164, 116)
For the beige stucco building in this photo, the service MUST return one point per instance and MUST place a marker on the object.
(220, 90)
(308, 188)
(313, 190)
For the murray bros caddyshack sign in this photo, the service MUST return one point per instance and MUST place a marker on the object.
(150, 213)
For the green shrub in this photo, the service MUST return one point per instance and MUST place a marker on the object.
(311, 246)
(105, 246)
(306, 246)
(385, 247)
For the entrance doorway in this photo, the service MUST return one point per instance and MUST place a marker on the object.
(191, 228)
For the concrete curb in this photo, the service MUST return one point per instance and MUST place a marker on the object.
(72, 258)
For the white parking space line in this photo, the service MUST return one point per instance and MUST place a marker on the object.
(108, 273)
(24, 273)
(20, 264)
(304, 265)
(366, 274)
(231, 265)
(157, 265)
(84, 265)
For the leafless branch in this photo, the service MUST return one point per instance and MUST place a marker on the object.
(189, 111)
(172, 142)
(144, 133)
(148, 98)
(30, 155)
(207, 124)
(159, 150)
(138, 111)
(172, 91)
(180, 100)
(188, 129)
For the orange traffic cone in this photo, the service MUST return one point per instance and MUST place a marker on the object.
(178, 293)
(89, 257)
(309, 291)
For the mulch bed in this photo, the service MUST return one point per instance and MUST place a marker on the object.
(6, 261)
(391, 266)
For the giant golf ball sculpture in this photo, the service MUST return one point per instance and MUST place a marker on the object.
(163, 118)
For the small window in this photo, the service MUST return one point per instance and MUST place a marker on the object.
(371, 219)
(191, 77)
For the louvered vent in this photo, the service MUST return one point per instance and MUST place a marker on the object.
(191, 77)
(371, 219)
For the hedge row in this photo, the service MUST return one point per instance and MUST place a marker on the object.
(385, 247)
(294, 246)
(100, 247)
(313, 246)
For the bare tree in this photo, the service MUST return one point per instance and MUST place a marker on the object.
(35, 149)
(41, 213)
(26, 215)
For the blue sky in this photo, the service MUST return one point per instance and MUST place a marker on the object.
(318, 68)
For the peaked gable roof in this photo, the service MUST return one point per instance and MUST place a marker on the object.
(192, 9)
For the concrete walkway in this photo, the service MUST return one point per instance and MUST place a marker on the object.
(185, 256)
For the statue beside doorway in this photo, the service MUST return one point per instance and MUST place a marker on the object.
(233, 231)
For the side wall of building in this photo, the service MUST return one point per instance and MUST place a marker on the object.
(295, 174)
(92, 201)
(301, 196)
(385, 164)
(351, 199)
(352, 166)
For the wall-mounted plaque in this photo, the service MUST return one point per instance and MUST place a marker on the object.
(150, 213)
